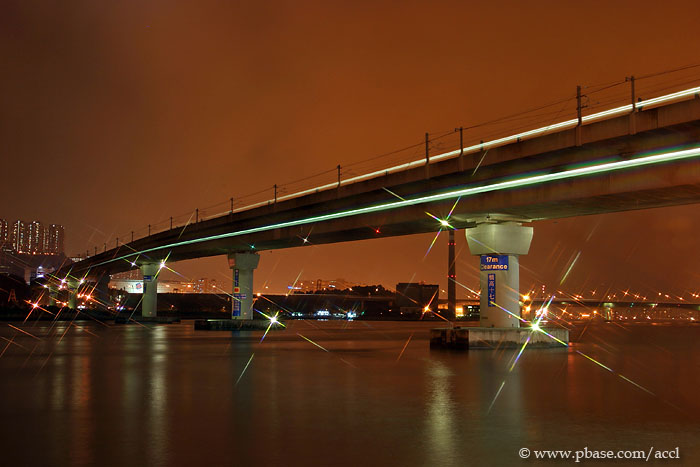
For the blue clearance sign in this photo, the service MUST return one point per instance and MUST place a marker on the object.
(236, 304)
(491, 287)
(236, 295)
(494, 262)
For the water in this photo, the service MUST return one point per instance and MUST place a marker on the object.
(166, 395)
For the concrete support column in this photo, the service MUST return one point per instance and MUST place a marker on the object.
(243, 265)
(451, 276)
(608, 313)
(499, 246)
(149, 302)
(53, 294)
(72, 286)
(101, 294)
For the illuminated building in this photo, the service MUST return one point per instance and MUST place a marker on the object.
(414, 297)
(5, 234)
(318, 285)
(205, 285)
(35, 238)
(135, 286)
(20, 237)
(134, 274)
(54, 240)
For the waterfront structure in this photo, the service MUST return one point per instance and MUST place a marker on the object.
(413, 297)
(204, 285)
(319, 285)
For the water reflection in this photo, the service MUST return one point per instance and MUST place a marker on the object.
(157, 396)
(441, 429)
(135, 395)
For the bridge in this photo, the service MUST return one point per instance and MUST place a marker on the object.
(641, 155)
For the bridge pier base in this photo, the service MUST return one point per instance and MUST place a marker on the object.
(149, 301)
(499, 246)
(243, 264)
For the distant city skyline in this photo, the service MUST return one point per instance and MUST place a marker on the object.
(33, 237)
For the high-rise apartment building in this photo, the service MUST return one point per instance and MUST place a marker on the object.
(33, 238)
(5, 234)
(36, 235)
(20, 237)
(54, 239)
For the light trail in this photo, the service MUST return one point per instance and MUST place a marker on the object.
(498, 393)
(23, 331)
(244, 369)
(606, 167)
(404, 347)
(10, 341)
(314, 343)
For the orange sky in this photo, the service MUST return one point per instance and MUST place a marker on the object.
(119, 114)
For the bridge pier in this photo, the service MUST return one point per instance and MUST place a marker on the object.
(149, 301)
(499, 246)
(101, 292)
(243, 264)
(72, 287)
(53, 294)
(608, 312)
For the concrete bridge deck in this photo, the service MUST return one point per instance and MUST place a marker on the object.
(373, 208)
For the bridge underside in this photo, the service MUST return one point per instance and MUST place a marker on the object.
(664, 129)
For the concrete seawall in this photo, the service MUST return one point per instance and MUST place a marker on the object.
(490, 338)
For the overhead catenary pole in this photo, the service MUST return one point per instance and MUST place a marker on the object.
(579, 116)
(461, 148)
(461, 141)
(427, 155)
(231, 199)
(451, 276)
(275, 186)
(634, 103)
(427, 149)
(578, 105)
(338, 175)
(633, 116)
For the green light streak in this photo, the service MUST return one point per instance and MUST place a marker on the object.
(462, 192)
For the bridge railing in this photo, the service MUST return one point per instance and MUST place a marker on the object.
(590, 103)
